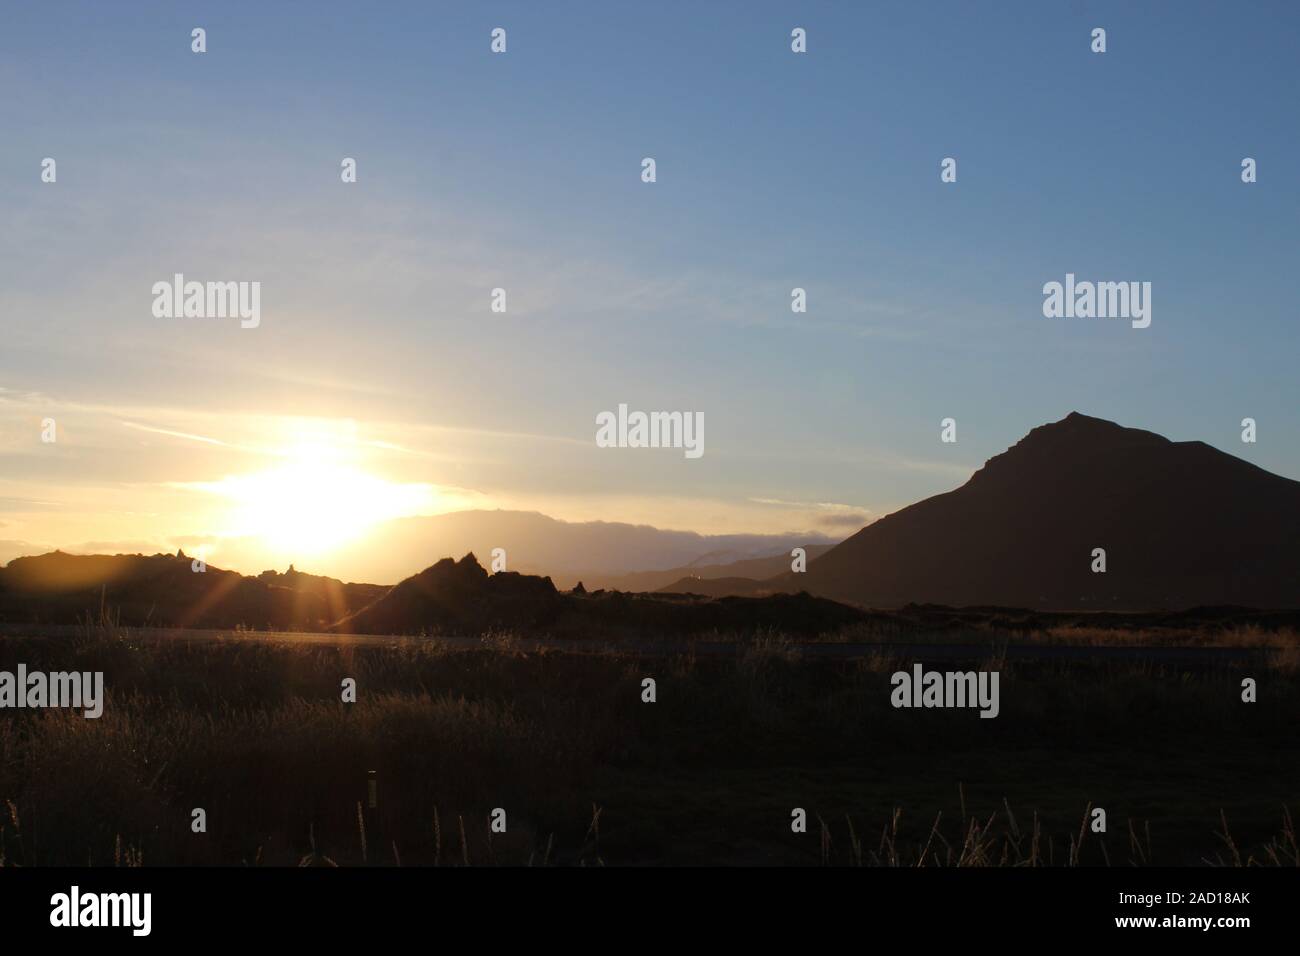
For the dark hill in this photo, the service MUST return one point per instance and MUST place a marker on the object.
(458, 596)
(462, 598)
(1182, 525)
(164, 590)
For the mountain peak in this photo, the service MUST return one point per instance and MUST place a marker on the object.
(1182, 524)
(1077, 420)
(1076, 437)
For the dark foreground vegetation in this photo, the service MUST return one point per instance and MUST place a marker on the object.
(256, 734)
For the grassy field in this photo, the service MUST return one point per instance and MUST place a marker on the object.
(257, 736)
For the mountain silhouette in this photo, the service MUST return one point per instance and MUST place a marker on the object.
(449, 597)
(460, 597)
(735, 577)
(1182, 525)
(599, 553)
(166, 590)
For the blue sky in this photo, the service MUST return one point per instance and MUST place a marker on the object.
(522, 171)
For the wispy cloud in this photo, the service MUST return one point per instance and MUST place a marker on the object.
(174, 434)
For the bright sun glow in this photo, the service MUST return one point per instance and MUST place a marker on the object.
(315, 502)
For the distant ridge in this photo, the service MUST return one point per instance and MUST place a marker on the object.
(706, 578)
(460, 597)
(165, 590)
(1182, 525)
(599, 553)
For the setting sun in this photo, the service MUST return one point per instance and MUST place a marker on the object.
(315, 501)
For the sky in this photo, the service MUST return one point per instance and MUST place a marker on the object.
(379, 382)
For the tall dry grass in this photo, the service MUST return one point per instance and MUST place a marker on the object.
(256, 735)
